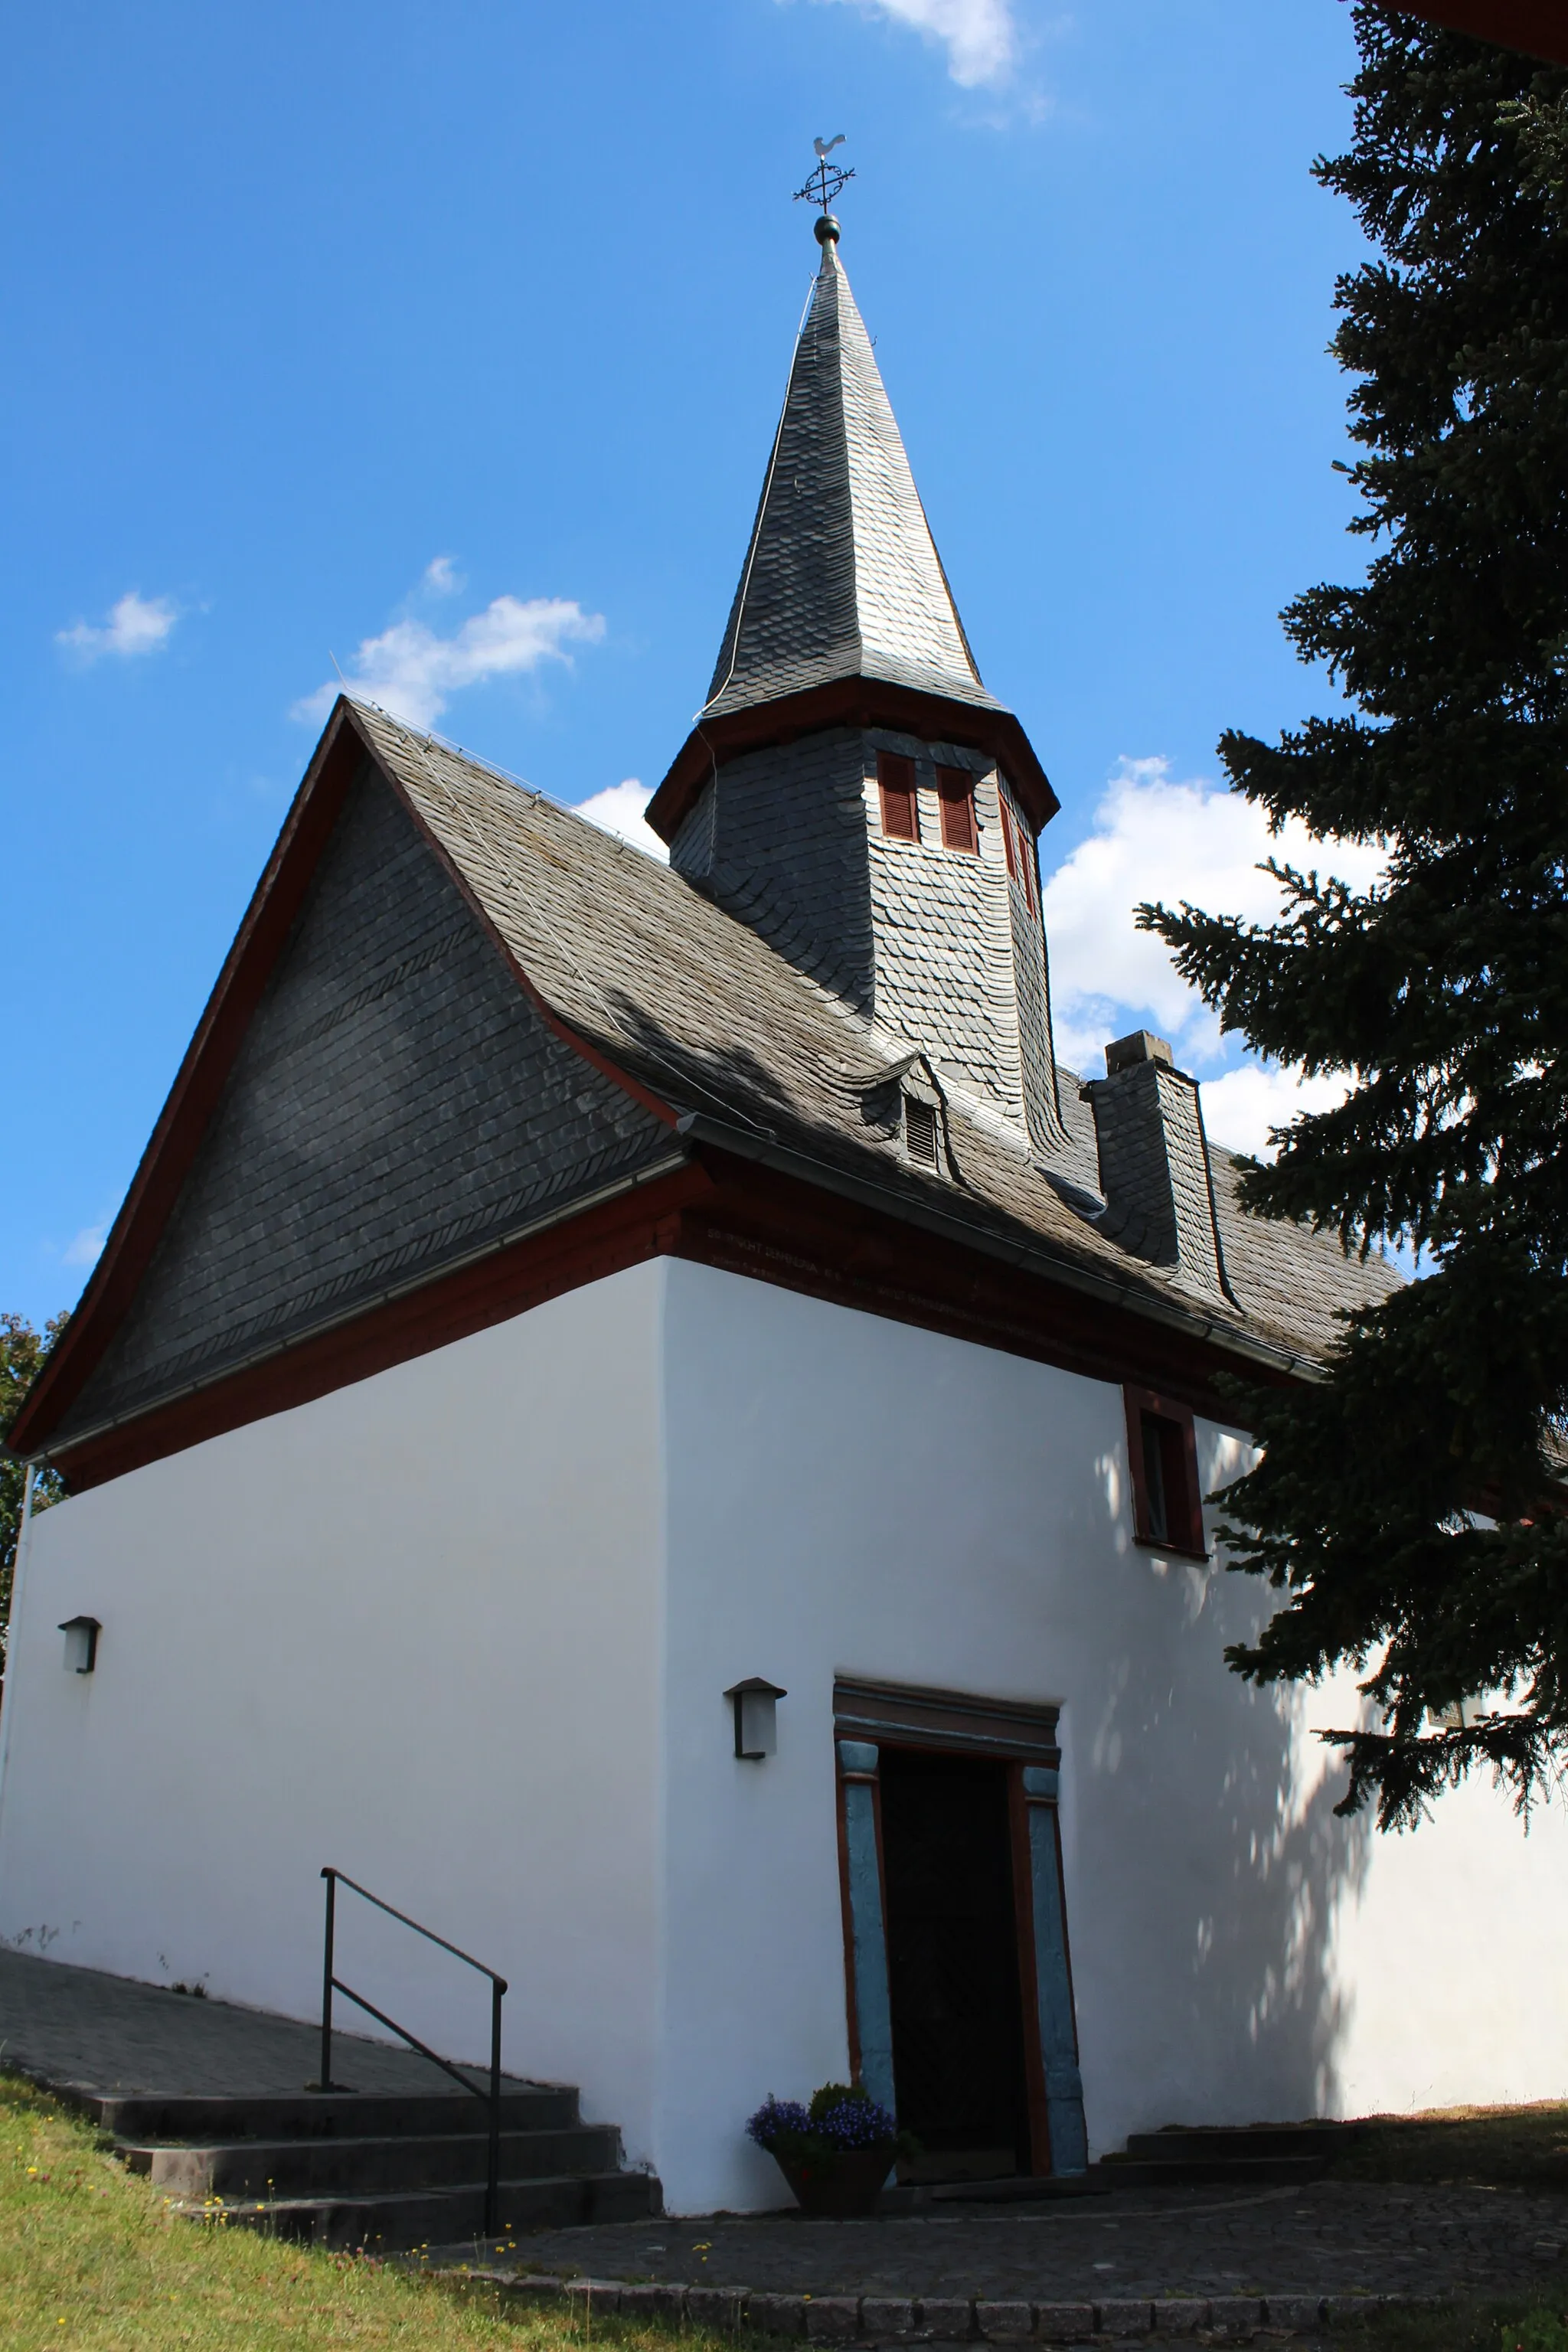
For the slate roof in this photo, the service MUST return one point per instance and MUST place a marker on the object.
(842, 578)
(761, 1058)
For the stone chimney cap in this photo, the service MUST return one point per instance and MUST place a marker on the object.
(1139, 1046)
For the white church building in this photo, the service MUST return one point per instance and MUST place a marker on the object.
(638, 1411)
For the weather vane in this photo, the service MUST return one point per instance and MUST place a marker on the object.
(828, 179)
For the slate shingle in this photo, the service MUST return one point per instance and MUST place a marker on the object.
(842, 578)
(396, 1103)
(713, 1017)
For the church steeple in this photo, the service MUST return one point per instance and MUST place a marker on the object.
(849, 789)
(842, 578)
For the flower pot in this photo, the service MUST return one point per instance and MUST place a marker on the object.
(841, 2188)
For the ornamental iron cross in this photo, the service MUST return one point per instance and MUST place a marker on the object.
(828, 179)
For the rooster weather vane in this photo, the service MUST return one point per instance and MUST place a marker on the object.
(828, 179)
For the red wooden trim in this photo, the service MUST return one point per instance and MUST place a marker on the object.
(729, 1214)
(1028, 1980)
(1540, 27)
(773, 1228)
(636, 1225)
(850, 702)
(1141, 1400)
(955, 799)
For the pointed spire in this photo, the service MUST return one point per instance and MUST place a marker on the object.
(842, 578)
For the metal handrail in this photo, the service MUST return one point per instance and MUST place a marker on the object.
(332, 1983)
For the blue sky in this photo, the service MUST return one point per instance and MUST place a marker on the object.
(445, 342)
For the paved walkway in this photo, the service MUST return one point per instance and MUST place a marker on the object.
(1334, 2240)
(76, 2030)
(1096, 2263)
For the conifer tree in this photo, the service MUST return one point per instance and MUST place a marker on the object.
(1410, 1508)
(22, 1351)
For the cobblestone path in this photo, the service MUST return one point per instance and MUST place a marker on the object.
(1332, 2239)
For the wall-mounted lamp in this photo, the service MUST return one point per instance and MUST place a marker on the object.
(82, 1643)
(756, 1717)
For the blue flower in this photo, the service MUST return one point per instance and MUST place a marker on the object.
(775, 2117)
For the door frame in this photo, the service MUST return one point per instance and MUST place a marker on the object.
(870, 1716)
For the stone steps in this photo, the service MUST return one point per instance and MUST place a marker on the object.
(389, 2171)
(542, 2107)
(453, 2215)
(1257, 2155)
(1265, 2156)
(1190, 2142)
(391, 2162)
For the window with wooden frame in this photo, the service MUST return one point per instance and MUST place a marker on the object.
(900, 807)
(955, 798)
(1167, 1499)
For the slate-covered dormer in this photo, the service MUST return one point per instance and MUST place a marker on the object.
(849, 789)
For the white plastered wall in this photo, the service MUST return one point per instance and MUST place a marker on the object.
(850, 1494)
(411, 1629)
(465, 1628)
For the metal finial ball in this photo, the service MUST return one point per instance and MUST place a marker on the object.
(825, 230)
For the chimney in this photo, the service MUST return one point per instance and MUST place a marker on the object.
(1154, 1163)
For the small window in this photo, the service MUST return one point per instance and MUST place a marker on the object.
(1018, 846)
(901, 808)
(955, 796)
(920, 1131)
(1008, 851)
(1167, 1504)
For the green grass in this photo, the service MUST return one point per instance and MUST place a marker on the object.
(92, 2256)
(1518, 2325)
(1501, 2147)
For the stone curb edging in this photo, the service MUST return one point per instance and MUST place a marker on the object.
(932, 2320)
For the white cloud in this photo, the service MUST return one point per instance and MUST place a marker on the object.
(411, 671)
(619, 809)
(1242, 1104)
(136, 624)
(980, 36)
(442, 577)
(85, 1247)
(1156, 838)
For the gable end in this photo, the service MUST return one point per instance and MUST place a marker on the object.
(397, 1101)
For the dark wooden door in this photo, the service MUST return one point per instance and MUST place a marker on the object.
(952, 1962)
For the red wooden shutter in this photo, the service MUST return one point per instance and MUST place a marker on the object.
(1008, 849)
(1020, 852)
(955, 789)
(900, 810)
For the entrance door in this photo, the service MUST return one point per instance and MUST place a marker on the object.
(952, 1964)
